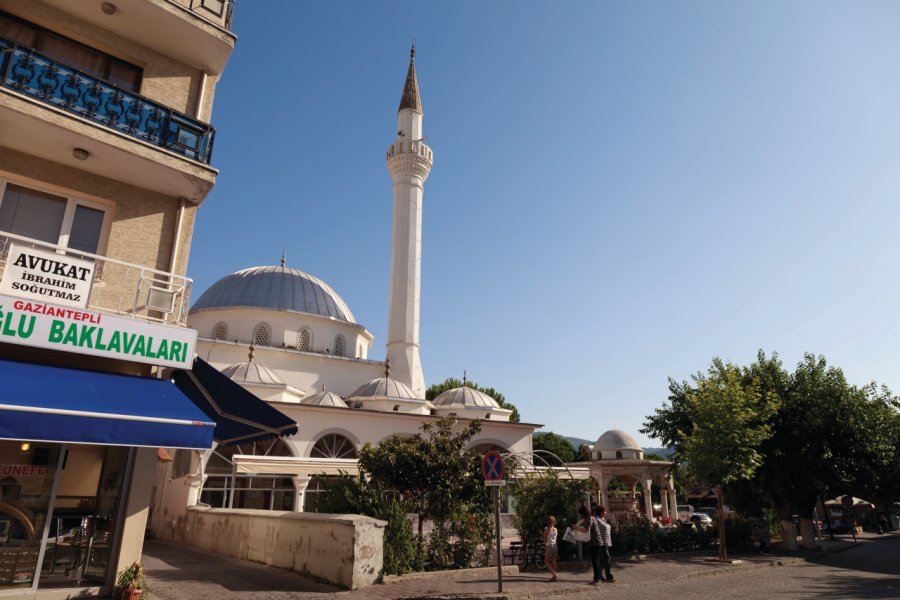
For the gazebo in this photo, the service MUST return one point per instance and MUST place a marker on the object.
(617, 456)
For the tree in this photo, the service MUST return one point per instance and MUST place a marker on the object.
(730, 421)
(450, 383)
(438, 477)
(541, 494)
(558, 445)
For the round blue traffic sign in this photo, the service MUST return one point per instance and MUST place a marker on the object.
(492, 466)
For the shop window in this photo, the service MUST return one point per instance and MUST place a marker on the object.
(339, 345)
(304, 340)
(50, 218)
(69, 52)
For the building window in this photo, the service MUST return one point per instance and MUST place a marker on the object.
(304, 340)
(339, 345)
(618, 454)
(220, 331)
(92, 62)
(333, 445)
(57, 220)
(262, 335)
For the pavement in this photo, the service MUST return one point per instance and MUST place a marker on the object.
(175, 572)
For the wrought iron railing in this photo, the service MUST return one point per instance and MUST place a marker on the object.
(27, 72)
(122, 288)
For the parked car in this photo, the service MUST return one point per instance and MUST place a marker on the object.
(701, 520)
(712, 511)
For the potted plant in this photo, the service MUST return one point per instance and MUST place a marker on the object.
(130, 584)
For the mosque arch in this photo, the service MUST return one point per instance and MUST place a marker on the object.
(223, 488)
(333, 445)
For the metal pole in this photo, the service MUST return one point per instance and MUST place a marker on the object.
(499, 554)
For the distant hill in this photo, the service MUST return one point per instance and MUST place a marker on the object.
(577, 442)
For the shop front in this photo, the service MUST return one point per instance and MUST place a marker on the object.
(78, 444)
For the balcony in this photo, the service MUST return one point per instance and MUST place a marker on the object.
(122, 288)
(67, 89)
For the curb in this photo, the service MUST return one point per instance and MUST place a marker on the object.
(451, 574)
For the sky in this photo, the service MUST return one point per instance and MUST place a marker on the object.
(621, 191)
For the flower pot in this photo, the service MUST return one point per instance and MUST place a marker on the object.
(130, 593)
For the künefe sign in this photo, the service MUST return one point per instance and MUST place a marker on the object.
(43, 325)
(47, 276)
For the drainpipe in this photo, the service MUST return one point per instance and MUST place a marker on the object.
(201, 95)
(176, 246)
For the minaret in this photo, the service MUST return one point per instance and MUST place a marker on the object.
(409, 162)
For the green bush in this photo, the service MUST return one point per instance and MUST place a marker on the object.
(634, 534)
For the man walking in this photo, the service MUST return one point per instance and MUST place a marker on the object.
(605, 535)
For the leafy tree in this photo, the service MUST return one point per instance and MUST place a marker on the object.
(556, 444)
(828, 437)
(541, 494)
(730, 420)
(450, 383)
(432, 470)
(654, 456)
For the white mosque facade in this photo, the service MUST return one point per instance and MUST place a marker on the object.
(290, 339)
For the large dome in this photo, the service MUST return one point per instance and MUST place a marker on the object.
(280, 288)
(616, 439)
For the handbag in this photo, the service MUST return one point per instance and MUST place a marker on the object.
(569, 536)
(582, 536)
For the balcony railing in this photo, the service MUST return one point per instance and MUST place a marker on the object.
(122, 288)
(68, 89)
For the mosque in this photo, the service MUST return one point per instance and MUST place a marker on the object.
(289, 338)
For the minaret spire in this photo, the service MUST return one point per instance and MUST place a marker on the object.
(410, 98)
(409, 161)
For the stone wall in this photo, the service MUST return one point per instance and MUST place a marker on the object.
(346, 550)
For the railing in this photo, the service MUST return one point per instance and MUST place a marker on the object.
(68, 89)
(220, 12)
(122, 288)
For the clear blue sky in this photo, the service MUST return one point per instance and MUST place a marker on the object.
(620, 192)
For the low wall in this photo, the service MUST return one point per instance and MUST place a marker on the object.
(346, 550)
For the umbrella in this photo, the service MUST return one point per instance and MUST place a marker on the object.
(857, 502)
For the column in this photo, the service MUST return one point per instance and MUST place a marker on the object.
(300, 485)
(648, 499)
(664, 497)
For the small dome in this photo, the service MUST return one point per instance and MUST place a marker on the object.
(324, 398)
(252, 373)
(615, 439)
(465, 396)
(280, 288)
(384, 387)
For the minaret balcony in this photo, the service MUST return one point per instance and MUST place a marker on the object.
(53, 83)
(120, 287)
(414, 147)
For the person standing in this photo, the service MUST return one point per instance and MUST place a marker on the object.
(551, 550)
(605, 535)
(589, 523)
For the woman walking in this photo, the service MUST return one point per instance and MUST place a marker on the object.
(551, 550)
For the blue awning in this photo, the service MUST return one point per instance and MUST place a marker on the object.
(240, 416)
(56, 404)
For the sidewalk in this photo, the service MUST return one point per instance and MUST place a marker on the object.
(175, 572)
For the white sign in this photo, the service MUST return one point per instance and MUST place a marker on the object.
(47, 276)
(53, 327)
(494, 483)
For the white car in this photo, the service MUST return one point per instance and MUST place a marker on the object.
(685, 511)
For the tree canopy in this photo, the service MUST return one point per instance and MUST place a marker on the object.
(558, 445)
(450, 383)
(827, 437)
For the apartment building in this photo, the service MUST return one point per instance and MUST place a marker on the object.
(106, 148)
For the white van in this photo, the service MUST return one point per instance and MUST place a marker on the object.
(685, 512)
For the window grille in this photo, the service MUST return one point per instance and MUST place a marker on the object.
(339, 345)
(262, 335)
(304, 340)
(220, 331)
(333, 445)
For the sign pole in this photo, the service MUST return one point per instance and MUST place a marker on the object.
(499, 554)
